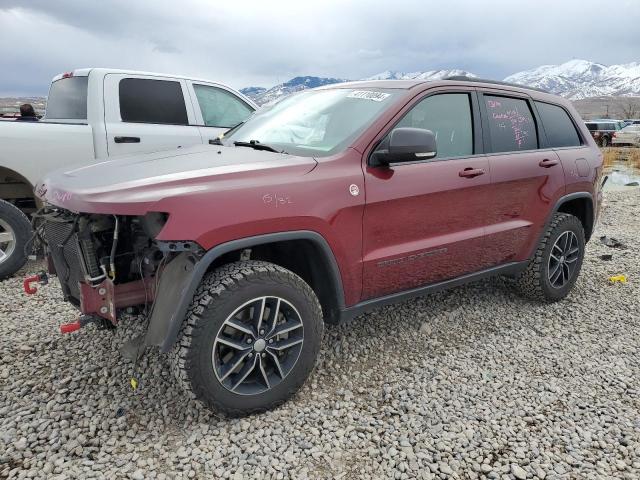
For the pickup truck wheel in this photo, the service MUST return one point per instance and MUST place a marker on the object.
(604, 142)
(555, 267)
(15, 231)
(250, 339)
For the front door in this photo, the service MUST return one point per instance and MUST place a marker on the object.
(217, 110)
(424, 222)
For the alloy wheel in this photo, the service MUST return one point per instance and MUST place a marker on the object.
(563, 259)
(7, 241)
(258, 345)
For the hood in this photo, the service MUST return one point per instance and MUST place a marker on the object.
(132, 185)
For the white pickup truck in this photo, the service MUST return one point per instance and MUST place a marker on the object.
(96, 113)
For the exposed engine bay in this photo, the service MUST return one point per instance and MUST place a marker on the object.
(106, 263)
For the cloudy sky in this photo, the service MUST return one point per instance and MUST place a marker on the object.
(262, 43)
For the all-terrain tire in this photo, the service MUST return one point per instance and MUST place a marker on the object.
(15, 223)
(534, 282)
(604, 142)
(220, 294)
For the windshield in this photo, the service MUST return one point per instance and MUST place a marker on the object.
(67, 99)
(315, 123)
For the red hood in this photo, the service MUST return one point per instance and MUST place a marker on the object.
(135, 185)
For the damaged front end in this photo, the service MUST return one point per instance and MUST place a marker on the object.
(107, 264)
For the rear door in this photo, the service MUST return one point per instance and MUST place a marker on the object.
(147, 114)
(424, 221)
(562, 134)
(217, 109)
(526, 176)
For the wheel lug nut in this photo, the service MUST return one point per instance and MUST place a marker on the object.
(249, 340)
(251, 355)
(264, 355)
(261, 332)
(271, 340)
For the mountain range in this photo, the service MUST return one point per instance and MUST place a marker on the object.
(575, 79)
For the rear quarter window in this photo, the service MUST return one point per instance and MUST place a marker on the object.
(560, 130)
(152, 101)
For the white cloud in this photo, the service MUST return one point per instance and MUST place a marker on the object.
(259, 43)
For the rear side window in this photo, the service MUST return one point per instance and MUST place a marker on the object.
(152, 101)
(592, 126)
(448, 116)
(68, 99)
(221, 108)
(560, 130)
(511, 124)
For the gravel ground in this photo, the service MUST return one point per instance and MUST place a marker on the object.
(468, 383)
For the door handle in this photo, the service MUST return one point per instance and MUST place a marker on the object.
(471, 172)
(546, 163)
(126, 139)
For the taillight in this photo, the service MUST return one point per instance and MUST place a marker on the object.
(67, 75)
(613, 135)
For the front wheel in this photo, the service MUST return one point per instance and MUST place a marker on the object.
(15, 231)
(554, 269)
(250, 340)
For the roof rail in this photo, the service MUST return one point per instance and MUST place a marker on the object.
(496, 82)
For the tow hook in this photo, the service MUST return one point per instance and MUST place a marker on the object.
(82, 321)
(41, 277)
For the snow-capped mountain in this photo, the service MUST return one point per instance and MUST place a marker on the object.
(429, 75)
(578, 79)
(574, 79)
(263, 96)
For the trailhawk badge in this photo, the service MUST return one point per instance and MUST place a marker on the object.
(354, 190)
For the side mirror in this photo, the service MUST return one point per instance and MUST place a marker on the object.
(406, 144)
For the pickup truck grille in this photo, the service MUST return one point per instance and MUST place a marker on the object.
(71, 263)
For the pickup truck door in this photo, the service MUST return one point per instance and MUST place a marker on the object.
(147, 114)
(217, 109)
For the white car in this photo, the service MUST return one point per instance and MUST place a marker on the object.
(629, 135)
(96, 113)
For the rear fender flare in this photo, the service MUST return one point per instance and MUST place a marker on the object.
(556, 207)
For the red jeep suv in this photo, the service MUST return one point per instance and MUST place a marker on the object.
(331, 202)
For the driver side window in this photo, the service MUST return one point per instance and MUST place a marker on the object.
(221, 108)
(448, 116)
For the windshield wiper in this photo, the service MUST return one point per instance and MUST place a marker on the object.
(256, 145)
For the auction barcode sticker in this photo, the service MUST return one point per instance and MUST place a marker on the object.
(368, 95)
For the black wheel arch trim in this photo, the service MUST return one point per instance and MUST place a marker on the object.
(561, 201)
(202, 265)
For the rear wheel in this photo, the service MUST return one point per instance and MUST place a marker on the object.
(250, 340)
(604, 142)
(15, 231)
(554, 269)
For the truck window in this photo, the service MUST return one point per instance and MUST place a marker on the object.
(448, 116)
(511, 124)
(67, 99)
(221, 108)
(560, 130)
(152, 101)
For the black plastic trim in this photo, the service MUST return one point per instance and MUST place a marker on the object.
(202, 265)
(556, 207)
(464, 78)
(512, 268)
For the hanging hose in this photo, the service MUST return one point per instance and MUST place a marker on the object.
(112, 257)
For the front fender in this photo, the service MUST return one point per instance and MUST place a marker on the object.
(182, 276)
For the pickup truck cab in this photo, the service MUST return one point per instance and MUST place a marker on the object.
(96, 113)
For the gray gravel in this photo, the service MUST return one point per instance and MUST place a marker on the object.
(470, 383)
